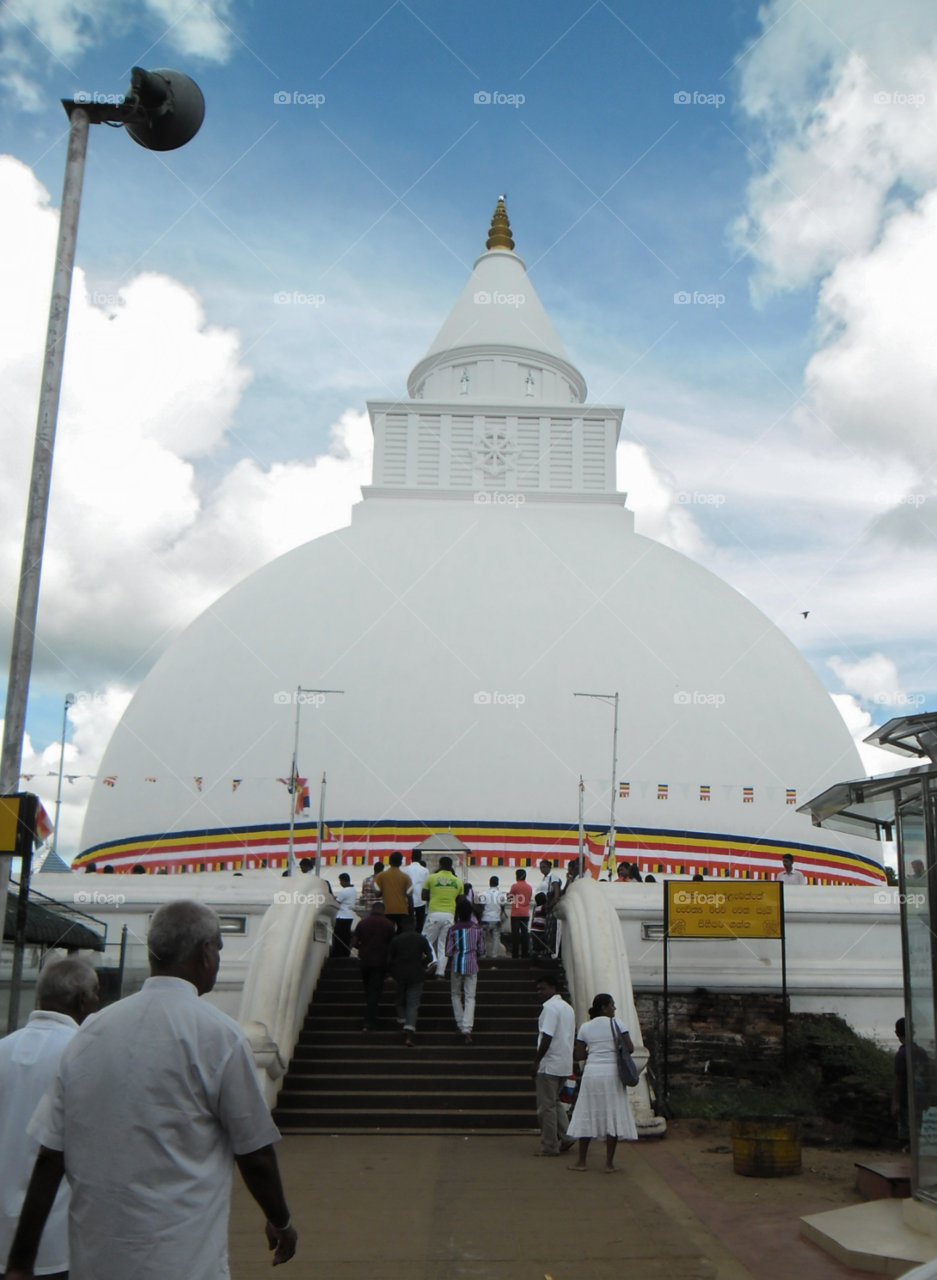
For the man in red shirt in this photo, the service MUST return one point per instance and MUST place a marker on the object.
(519, 898)
(372, 937)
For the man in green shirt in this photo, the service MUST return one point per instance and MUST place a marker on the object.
(440, 891)
(409, 954)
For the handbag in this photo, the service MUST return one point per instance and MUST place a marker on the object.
(628, 1073)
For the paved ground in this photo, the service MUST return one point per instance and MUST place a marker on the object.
(449, 1208)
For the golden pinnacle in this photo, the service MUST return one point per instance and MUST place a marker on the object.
(499, 237)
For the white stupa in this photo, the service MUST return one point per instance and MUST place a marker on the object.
(491, 572)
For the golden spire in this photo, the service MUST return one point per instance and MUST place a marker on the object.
(499, 236)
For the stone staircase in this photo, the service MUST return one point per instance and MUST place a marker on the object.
(344, 1080)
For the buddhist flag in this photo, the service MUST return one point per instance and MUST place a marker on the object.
(748, 795)
(300, 790)
(109, 781)
(790, 796)
(43, 823)
(235, 783)
(662, 790)
(149, 779)
(595, 855)
(704, 793)
(624, 790)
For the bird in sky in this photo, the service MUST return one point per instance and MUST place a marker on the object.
(805, 614)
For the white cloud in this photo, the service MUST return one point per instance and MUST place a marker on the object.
(869, 678)
(653, 497)
(92, 720)
(136, 545)
(57, 33)
(859, 723)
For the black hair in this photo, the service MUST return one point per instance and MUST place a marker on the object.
(493, 880)
(548, 979)
(520, 874)
(306, 865)
(634, 873)
(599, 1003)
(344, 876)
(541, 897)
(395, 859)
(378, 866)
(445, 864)
(649, 879)
(899, 1028)
(463, 909)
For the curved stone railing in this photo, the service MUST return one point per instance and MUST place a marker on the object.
(595, 960)
(284, 968)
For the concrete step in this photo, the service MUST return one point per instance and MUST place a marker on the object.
(392, 1085)
(375, 1099)
(392, 1048)
(416, 1062)
(362, 1039)
(337, 1120)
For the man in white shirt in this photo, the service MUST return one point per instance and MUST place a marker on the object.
(553, 1066)
(789, 875)
(551, 884)
(492, 902)
(346, 895)
(154, 1101)
(418, 871)
(67, 991)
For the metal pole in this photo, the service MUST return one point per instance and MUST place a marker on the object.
(611, 821)
(69, 699)
(25, 829)
(319, 831)
(27, 600)
(582, 839)
(123, 960)
(290, 860)
(666, 1062)
(783, 972)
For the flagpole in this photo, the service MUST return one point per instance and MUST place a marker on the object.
(319, 831)
(582, 850)
(69, 701)
(299, 695)
(611, 822)
(290, 860)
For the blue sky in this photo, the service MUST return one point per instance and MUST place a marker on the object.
(379, 197)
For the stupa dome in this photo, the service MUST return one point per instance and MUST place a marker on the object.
(491, 572)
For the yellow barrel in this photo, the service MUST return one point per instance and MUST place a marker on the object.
(766, 1146)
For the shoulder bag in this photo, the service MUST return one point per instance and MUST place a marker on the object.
(628, 1073)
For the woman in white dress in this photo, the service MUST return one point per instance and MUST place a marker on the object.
(603, 1108)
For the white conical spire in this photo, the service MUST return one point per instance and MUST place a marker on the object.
(498, 341)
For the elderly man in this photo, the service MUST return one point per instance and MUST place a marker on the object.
(66, 993)
(155, 1100)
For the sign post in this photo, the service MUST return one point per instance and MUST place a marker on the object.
(17, 833)
(722, 909)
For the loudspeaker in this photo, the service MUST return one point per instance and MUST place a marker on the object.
(174, 105)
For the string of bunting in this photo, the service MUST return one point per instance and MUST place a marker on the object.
(626, 790)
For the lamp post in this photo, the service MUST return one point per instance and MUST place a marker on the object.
(612, 700)
(301, 695)
(69, 701)
(162, 110)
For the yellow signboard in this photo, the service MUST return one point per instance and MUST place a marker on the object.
(9, 816)
(724, 909)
